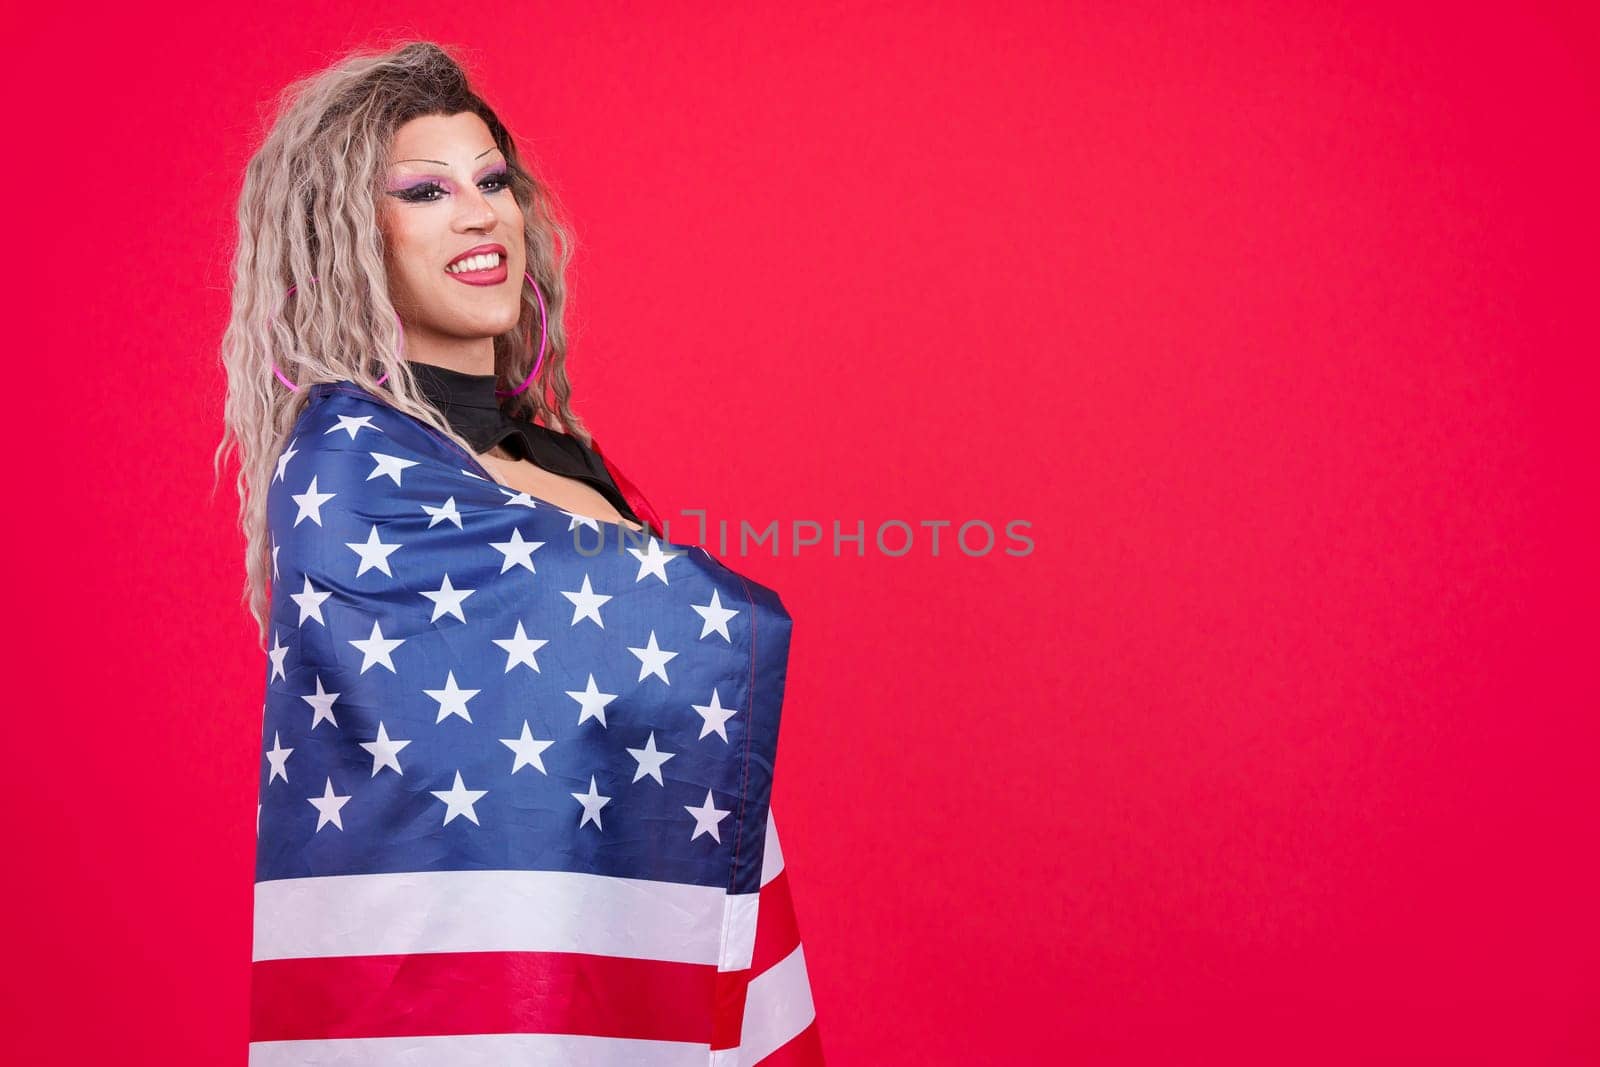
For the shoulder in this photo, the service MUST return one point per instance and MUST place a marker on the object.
(349, 442)
(341, 417)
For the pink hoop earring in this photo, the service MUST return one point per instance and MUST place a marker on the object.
(295, 388)
(544, 328)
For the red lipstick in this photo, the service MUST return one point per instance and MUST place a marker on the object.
(488, 276)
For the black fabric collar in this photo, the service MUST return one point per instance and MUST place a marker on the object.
(469, 405)
(467, 402)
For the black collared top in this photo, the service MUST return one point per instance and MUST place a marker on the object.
(469, 405)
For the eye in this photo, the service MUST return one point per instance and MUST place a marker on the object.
(419, 194)
(428, 192)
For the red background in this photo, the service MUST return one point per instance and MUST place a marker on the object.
(1275, 321)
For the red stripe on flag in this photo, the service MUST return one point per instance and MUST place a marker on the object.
(438, 993)
(777, 931)
(777, 935)
(731, 989)
(802, 1050)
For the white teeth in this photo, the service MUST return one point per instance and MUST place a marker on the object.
(483, 262)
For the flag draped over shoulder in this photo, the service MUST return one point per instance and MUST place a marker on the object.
(515, 801)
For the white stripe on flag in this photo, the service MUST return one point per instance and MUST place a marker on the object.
(739, 931)
(771, 854)
(500, 911)
(777, 1007)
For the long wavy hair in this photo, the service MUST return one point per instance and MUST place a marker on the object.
(308, 209)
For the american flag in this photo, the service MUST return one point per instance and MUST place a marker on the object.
(515, 801)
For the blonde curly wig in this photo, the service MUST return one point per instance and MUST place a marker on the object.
(308, 208)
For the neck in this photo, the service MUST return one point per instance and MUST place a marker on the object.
(468, 355)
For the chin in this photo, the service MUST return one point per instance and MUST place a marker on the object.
(509, 322)
(493, 327)
(480, 315)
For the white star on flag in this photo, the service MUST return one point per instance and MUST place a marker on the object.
(352, 424)
(580, 520)
(528, 749)
(715, 716)
(310, 503)
(591, 702)
(278, 756)
(520, 648)
(452, 698)
(653, 560)
(277, 655)
(384, 751)
(586, 603)
(592, 803)
(375, 648)
(321, 705)
(309, 600)
(516, 496)
(283, 460)
(458, 800)
(517, 552)
(445, 512)
(706, 818)
(447, 600)
(650, 760)
(328, 805)
(652, 659)
(373, 553)
(716, 617)
(389, 466)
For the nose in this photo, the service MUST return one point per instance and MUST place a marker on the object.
(476, 212)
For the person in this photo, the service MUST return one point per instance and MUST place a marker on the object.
(515, 792)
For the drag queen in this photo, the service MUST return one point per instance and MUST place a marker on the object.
(517, 745)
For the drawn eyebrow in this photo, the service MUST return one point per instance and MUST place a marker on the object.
(442, 163)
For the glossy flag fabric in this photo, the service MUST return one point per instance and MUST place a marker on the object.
(516, 775)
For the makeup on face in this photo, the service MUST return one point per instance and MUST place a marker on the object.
(486, 262)
(483, 264)
(425, 189)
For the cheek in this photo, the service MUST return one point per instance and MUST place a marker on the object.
(515, 239)
(405, 251)
(511, 216)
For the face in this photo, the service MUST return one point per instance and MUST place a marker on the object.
(447, 192)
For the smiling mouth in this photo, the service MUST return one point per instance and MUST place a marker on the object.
(478, 264)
